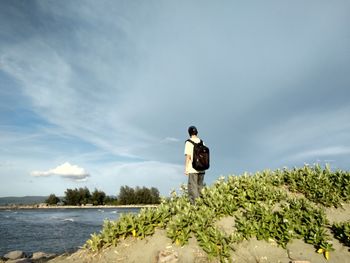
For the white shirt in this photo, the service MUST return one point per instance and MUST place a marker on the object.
(189, 151)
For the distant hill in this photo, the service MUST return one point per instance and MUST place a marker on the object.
(24, 200)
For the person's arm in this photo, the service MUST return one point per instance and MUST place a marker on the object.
(187, 156)
(187, 162)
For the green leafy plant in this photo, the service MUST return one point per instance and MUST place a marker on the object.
(341, 232)
(260, 203)
(315, 182)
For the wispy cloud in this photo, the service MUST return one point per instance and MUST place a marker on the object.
(308, 130)
(7, 164)
(170, 140)
(65, 170)
(322, 152)
(54, 83)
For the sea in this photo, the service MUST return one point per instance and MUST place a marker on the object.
(52, 230)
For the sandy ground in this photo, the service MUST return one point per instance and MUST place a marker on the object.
(252, 251)
(146, 250)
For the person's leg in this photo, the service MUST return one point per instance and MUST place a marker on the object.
(200, 183)
(193, 187)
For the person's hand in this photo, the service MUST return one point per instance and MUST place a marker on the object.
(186, 173)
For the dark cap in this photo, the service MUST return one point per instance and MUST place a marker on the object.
(192, 130)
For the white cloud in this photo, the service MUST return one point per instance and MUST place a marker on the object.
(170, 140)
(65, 170)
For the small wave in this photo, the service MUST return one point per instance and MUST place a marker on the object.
(100, 210)
(68, 219)
(114, 212)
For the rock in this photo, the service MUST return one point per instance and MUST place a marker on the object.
(166, 256)
(42, 255)
(15, 255)
(20, 260)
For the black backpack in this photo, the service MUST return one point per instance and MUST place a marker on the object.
(200, 160)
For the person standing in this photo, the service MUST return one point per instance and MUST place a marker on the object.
(195, 177)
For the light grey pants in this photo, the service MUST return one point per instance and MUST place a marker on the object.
(195, 185)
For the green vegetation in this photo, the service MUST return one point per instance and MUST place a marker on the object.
(127, 196)
(281, 205)
(81, 196)
(341, 232)
(318, 185)
(52, 200)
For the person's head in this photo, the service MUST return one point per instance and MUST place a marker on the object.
(192, 130)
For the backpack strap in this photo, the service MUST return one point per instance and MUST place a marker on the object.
(189, 140)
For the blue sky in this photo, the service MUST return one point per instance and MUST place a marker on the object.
(101, 93)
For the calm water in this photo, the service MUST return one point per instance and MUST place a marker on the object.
(52, 230)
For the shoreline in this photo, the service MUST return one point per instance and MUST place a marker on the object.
(41, 206)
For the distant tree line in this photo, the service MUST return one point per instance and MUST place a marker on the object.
(127, 196)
